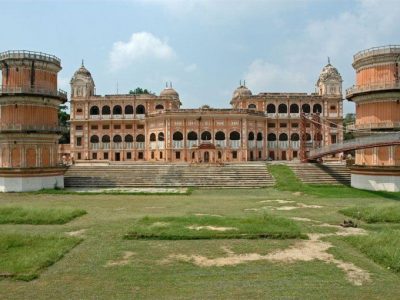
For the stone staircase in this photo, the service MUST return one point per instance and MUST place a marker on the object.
(247, 175)
(321, 174)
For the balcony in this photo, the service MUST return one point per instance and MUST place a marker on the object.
(177, 144)
(160, 144)
(259, 144)
(4, 128)
(192, 144)
(235, 144)
(251, 144)
(18, 54)
(370, 126)
(294, 115)
(140, 145)
(221, 143)
(379, 86)
(295, 144)
(95, 146)
(117, 145)
(271, 144)
(106, 146)
(283, 115)
(33, 90)
(283, 144)
(96, 117)
(128, 145)
(271, 115)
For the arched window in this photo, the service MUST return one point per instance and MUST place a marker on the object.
(192, 136)
(105, 139)
(294, 137)
(234, 136)
(251, 136)
(206, 136)
(161, 136)
(282, 108)
(128, 138)
(94, 110)
(220, 136)
(177, 136)
(294, 109)
(252, 106)
(159, 106)
(259, 136)
(305, 108)
(117, 138)
(152, 137)
(117, 110)
(140, 138)
(94, 139)
(271, 137)
(271, 109)
(105, 110)
(129, 110)
(140, 110)
(317, 108)
(283, 137)
(308, 137)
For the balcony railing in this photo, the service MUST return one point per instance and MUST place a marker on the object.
(177, 144)
(117, 145)
(140, 145)
(235, 144)
(368, 126)
(295, 144)
(259, 144)
(220, 143)
(153, 145)
(283, 144)
(271, 144)
(191, 144)
(18, 54)
(128, 145)
(377, 50)
(379, 86)
(251, 144)
(35, 90)
(31, 128)
(160, 144)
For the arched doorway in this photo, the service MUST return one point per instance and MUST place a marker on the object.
(206, 156)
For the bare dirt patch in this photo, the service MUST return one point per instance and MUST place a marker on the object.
(207, 215)
(126, 258)
(155, 207)
(77, 233)
(214, 228)
(304, 250)
(297, 193)
(285, 208)
(303, 219)
(277, 201)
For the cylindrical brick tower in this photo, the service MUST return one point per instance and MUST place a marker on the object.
(29, 129)
(377, 98)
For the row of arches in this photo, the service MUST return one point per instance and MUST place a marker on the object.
(293, 109)
(117, 138)
(293, 137)
(117, 110)
(219, 136)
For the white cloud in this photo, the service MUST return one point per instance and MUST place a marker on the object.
(262, 76)
(141, 45)
(191, 68)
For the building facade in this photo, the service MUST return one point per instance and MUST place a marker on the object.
(147, 127)
(376, 95)
(29, 130)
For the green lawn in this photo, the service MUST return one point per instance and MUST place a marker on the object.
(30, 215)
(105, 265)
(374, 214)
(214, 227)
(23, 256)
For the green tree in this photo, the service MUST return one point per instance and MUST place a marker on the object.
(63, 121)
(139, 91)
(349, 119)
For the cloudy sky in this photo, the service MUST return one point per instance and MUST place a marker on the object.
(204, 47)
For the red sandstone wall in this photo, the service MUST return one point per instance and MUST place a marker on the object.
(377, 74)
(28, 114)
(21, 76)
(378, 112)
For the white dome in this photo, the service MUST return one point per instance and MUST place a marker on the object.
(241, 92)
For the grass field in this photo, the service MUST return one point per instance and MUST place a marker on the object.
(25, 215)
(333, 263)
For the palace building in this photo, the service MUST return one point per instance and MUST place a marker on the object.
(153, 128)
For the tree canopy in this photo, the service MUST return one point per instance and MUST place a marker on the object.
(139, 91)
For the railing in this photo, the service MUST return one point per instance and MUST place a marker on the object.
(128, 145)
(376, 140)
(295, 144)
(191, 144)
(377, 50)
(251, 144)
(106, 146)
(295, 115)
(283, 144)
(140, 145)
(107, 117)
(160, 144)
(271, 144)
(29, 54)
(177, 144)
(31, 128)
(282, 115)
(259, 144)
(271, 115)
(95, 146)
(220, 143)
(235, 144)
(6, 89)
(153, 145)
(117, 145)
(378, 86)
(380, 125)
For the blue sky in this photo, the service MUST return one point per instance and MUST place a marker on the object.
(203, 46)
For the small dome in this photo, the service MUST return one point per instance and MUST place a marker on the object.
(169, 92)
(329, 72)
(241, 92)
(82, 74)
